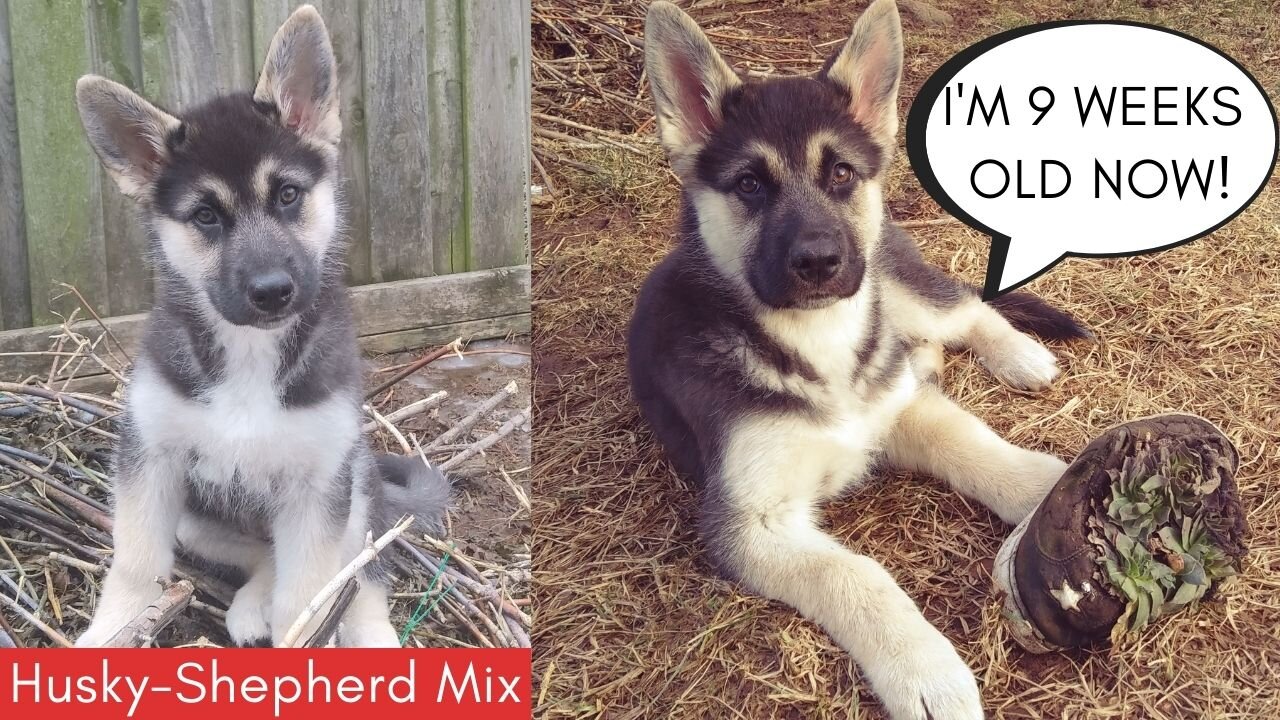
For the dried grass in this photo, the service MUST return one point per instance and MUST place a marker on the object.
(631, 624)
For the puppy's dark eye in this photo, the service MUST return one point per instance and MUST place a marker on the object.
(748, 185)
(206, 216)
(842, 174)
(288, 195)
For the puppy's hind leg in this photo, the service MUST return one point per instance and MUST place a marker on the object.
(963, 320)
(935, 436)
(309, 551)
(249, 617)
(368, 620)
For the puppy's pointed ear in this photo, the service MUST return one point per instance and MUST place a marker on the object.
(129, 134)
(300, 77)
(689, 80)
(869, 68)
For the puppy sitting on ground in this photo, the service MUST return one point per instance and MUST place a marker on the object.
(242, 441)
(772, 351)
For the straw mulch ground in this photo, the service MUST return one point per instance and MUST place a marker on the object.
(631, 625)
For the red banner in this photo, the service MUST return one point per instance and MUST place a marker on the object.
(249, 684)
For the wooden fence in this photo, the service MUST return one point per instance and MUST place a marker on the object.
(435, 98)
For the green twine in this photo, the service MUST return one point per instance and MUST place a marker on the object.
(420, 613)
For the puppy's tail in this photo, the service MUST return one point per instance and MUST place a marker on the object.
(410, 487)
(1030, 314)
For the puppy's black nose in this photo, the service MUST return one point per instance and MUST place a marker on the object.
(271, 292)
(816, 257)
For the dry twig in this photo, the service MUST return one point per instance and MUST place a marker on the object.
(142, 630)
(414, 367)
(35, 622)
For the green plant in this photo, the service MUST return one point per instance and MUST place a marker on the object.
(1139, 500)
(1155, 548)
(1143, 580)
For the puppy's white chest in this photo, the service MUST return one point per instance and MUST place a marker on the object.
(255, 439)
(772, 460)
(847, 441)
(238, 432)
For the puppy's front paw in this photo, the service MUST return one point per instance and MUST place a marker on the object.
(1038, 473)
(927, 680)
(96, 636)
(927, 361)
(248, 621)
(1020, 361)
(121, 602)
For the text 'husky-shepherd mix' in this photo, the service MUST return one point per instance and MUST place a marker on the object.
(778, 352)
(242, 443)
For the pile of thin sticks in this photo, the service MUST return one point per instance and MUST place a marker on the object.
(55, 489)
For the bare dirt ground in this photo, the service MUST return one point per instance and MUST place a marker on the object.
(631, 624)
(488, 520)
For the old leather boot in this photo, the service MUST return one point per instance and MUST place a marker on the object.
(1141, 524)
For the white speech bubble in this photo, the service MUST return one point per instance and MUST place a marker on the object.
(1193, 164)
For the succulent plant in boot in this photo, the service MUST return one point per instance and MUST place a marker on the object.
(1144, 522)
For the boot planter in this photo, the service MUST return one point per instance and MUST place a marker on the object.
(1145, 522)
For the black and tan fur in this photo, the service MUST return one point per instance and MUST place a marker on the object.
(242, 441)
(778, 352)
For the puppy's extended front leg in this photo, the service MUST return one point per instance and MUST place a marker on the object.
(935, 436)
(779, 553)
(758, 522)
(148, 502)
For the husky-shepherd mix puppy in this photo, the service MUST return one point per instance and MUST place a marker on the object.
(772, 350)
(242, 441)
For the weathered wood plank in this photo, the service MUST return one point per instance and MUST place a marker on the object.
(384, 344)
(391, 316)
(486, 329)
(443, 299)
(395, 85)
(344, 21)
(16, 368)
(117, 54)
(343, 18)
(194, 49)
(268, 16)
(446, 166)
(58, 170)
(496, 117)
(15, 290)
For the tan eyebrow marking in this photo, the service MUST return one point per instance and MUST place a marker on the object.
(262, 177)
(272, 169)
(207, 185)
(817, 147)
(772, 158)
